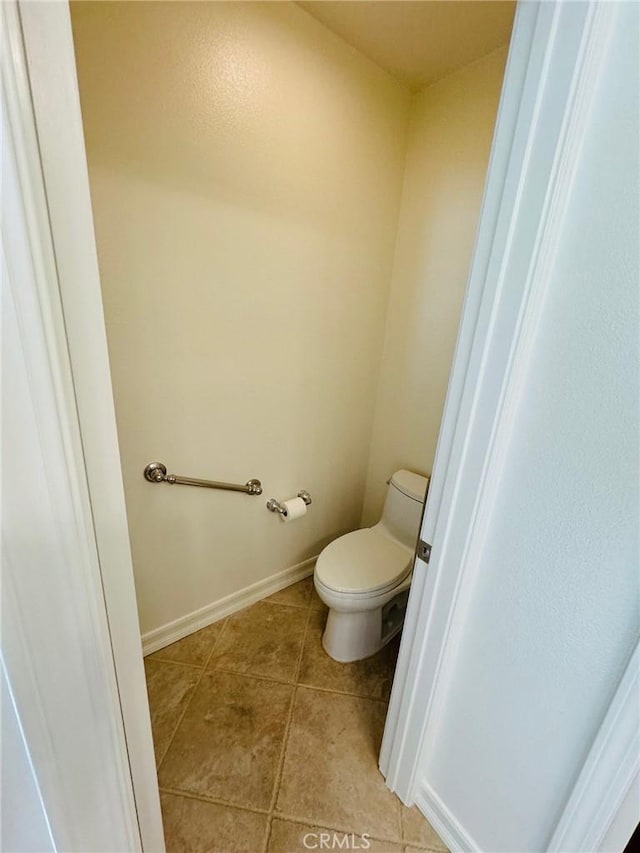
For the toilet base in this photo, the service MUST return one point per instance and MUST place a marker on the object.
(353, 635)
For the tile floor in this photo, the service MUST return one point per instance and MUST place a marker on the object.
(261, 738)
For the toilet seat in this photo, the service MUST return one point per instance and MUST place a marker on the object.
(365, 561)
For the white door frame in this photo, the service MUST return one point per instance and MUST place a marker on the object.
(41, 74)
(554, 60)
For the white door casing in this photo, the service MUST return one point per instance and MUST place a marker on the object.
(51, 67)
(65, 542)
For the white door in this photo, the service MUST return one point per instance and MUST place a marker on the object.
(513, 721)
(67, 766)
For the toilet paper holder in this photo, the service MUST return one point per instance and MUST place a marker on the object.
(274, 505)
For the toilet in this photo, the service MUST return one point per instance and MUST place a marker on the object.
(364, 577)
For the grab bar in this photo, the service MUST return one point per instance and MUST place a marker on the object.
(156, 472)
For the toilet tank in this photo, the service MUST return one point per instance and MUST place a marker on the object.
(403, 506)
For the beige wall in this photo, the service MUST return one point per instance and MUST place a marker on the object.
(246, 172)
(450, 137)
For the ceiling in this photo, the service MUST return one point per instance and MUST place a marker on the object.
(418, 42)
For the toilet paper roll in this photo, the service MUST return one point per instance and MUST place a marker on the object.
(295, 507)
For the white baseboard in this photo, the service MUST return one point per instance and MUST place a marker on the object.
(442, 820)
(185, 625)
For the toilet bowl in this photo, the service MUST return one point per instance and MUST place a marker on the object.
(364, 577)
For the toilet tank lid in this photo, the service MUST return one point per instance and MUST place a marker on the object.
(410, 484)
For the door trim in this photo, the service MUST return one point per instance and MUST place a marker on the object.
(554, 61)
(56, 651)
(51, 72)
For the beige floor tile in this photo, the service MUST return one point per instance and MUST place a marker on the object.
(194, 649)
(263, 640)
(330, 775)
(417, 831)
(229, 742)
(370, 677)
(169, 686)
(296, 595)
(193, 826)
(289, 837)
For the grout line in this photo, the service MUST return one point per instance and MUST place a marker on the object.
(304, 606)
(414, 848)
(280, 603)
(285, 739)
(270, 678)
(302, 645)
(342, 693)
(205, 798)
(193, 693)
(322, 825)
(178, 662)
(267, 833)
